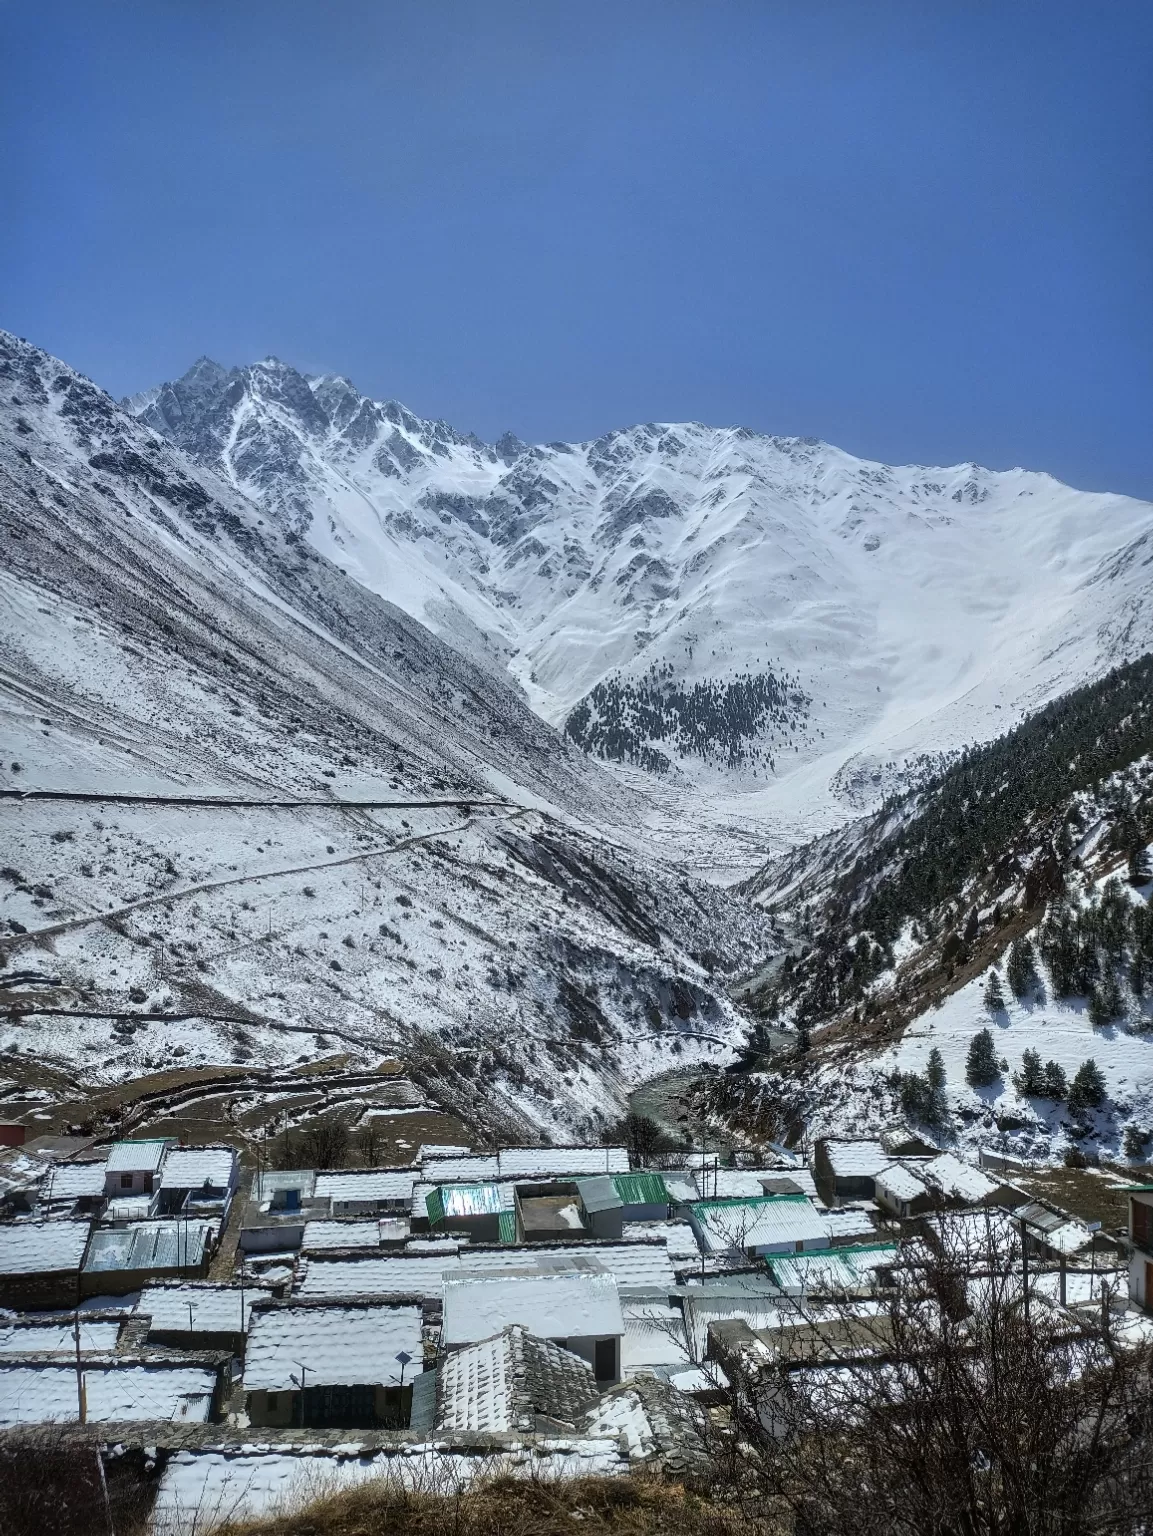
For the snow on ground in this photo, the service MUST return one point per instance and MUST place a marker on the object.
(1059, 1030)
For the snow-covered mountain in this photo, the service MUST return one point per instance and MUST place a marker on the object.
(769, 620)
(161, 636)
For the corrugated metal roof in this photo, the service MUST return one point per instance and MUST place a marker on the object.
(136, 1156)
(462, 1200)
(833, 1269)
(149, 1245)
(507, 1225)
(599, 1193)
(724, 1225)
(641, 1188)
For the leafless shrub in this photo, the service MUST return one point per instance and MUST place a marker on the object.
(959, 1403)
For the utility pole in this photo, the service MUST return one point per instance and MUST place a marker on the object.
(81, 1403)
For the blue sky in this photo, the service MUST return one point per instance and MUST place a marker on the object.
(919, 229)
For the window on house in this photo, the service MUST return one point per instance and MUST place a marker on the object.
(125, 1181)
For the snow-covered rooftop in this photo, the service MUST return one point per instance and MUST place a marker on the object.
(382, 1185)
(554, 1306)
(635, 1266)
(35, 1394)
(856, 1159)
(901, 1182)
(214, 1308)
(834, 1269)
(561, 1162)
(654, 1335)
(958, 1180)
(336, 1346)
(196, 1167)
(504, 1382)
(678, 1236)
(42, 1247)
(58, 1338)
(322, 1234)
(74, 1181)
(847, 1223)
(777, 1221)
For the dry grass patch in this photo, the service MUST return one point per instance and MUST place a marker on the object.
(511, 1506)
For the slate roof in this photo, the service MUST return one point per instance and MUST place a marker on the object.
(635, 1266)
(510, 1380)
(848, 1223)
(901, 1182)
(323, 1234)
(856, 1159)
(136, 1156)
(74, 1181)
(58, 1338)
(371, 1184)
(572, 1304)
(337, 1346)
(622, 1413)
(561, 1162)
(678, 1237)
(215, 1308)
(42, 1247)
(35, 1394)
(194, 1167)
(958, 1180)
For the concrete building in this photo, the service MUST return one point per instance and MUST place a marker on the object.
(133, 1167)
(198, 1181)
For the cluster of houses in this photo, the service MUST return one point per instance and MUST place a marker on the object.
(533, 1302)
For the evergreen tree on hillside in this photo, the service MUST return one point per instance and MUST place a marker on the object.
(1059, 948)
(1113, 920)
(1105, 1000)
(981, 1066)
(1088, 1088)
(1137, 864)
(935, 1071)
(1019, 971)
(1054, 1083)
(994, 997)
(1030, 1081)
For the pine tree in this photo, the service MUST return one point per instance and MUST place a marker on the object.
(981, 1065)
(1019, 971)
(1135, 1141)
(935, 1071)
(915, 1095)
(1105, 1000)
(1030, 1081)
(1054, 1084)
(994, 997)
(1088, 1089)
(1138, 864)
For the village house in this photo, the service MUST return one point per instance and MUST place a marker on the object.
(768, 1224)
(198, 1181)
(40, 1263)
(348, 1365)
(512, 1381)
(846, 1169)
(133, 1167)
(123, 1259)
(578, 1308)
(106, 1391)
(197, 1315)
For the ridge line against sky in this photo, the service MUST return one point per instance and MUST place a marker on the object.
(922, 234)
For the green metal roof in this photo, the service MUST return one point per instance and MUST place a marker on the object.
(507, 1223)
(641, 1189)
(1137, 1189)
(728, 1202)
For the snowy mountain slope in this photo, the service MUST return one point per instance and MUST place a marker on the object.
(159, 634)
(767, 619)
